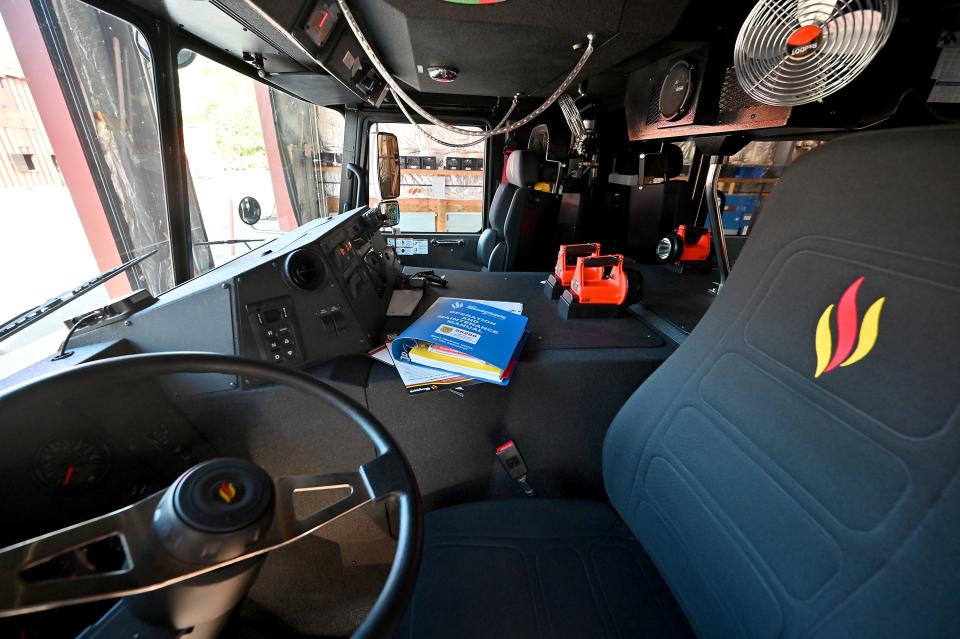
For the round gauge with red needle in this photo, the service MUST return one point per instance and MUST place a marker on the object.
(72, 464)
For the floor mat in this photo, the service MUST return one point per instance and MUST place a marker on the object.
(321, 587)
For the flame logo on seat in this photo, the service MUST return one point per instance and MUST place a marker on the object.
(850, 332)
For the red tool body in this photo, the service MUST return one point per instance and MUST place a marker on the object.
(688, 244)
(600, 280)
(600, 286)
(562, 274)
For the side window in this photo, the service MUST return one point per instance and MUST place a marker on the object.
(748, 178)
(441, 188)
(310, 141)
(80, 168)
(245, 140)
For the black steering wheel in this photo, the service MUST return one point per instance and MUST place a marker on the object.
(220, 515)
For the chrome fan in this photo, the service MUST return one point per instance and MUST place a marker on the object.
(793, 52)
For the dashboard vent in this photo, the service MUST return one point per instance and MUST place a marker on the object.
(304, 270)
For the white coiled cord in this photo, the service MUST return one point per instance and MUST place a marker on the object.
(401, 96)
(455, 145)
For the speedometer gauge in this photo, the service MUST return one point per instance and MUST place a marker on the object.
(72, 464)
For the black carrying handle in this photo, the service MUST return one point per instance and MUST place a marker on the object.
(578, 250)
(607, 260)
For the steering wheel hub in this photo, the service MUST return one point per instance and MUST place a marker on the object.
(215, 511)
(223, 496)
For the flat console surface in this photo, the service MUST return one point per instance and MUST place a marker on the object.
(680, 298)
(549, 330)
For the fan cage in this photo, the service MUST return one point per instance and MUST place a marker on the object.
(852, 33)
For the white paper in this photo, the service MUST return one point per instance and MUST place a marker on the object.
(511, 307)
(411, 374)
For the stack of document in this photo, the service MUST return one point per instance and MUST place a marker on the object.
(458, 342)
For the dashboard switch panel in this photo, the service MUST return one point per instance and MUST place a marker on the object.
(274, 324)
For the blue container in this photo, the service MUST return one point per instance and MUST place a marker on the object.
(742, 203)
(749, 171)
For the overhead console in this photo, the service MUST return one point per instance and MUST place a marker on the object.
(315, 293)
(322, 30)
(692, 92)
(787, 68)
(317, 30)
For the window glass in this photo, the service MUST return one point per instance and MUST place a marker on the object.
(80, 173)
(310, 139)
(441, 188)
(244, 140)
(111, 68)
(748, 178)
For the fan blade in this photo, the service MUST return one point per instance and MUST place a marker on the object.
(856, 25)
(815, 11)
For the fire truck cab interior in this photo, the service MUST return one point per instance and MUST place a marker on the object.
(752, 431)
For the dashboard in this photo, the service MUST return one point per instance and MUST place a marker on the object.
(312, 294)
(315, 293)
(89, 453)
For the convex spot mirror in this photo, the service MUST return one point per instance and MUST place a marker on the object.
(388, 166)
(389, 213)
(249, 210)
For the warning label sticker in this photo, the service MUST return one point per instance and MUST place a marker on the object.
(409, 246)
(458, 333)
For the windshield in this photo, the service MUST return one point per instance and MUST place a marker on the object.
(81, 175)
(245, 140)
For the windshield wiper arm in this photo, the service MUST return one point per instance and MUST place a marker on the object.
(228, 242)
(35, 314)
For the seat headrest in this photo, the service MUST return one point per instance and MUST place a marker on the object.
(523, 168)
(667, 164)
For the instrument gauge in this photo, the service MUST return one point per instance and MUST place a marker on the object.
(72, 464)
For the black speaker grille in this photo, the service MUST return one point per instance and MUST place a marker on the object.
(732, 97)
(653, 109)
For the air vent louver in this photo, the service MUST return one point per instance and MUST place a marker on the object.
(304, 270)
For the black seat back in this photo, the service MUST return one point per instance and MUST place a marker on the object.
(498, 247)
(793, 468)
(645, 215)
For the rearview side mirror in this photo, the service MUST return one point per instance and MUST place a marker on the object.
(388, 165)
(249, 210)
(389, 213)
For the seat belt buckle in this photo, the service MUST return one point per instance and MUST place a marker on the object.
(509, 456)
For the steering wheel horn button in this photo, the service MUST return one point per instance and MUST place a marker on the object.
(228, 492)
(223, 495)
(215, 510)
